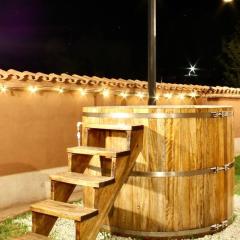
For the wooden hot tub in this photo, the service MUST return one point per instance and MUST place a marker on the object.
(182, 184)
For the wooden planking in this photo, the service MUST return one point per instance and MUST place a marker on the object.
(82, 180)
(78, 163)
(103, 198)
(32, 236)
(42, 223)
(174, 204)
(63, 210)
(61, 191)
(86, 150)
(115, 127)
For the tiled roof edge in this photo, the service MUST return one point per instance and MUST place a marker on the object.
(112, 82)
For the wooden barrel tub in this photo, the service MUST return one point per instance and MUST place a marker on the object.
(182, 183)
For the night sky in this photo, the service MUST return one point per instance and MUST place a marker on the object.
(109, 37)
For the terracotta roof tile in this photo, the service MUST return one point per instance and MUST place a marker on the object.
(95, 81)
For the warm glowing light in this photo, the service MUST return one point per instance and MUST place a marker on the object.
(157, 97)
(140, 95)
(106, 93)
(168, 95)
(181, 96)
(33, 89)
(3, 89)
(193, 94)
(192, 70)
(123, 94)
(227, 1)
(61, 90)
(82, 92)
(79, 133)
(78, 125)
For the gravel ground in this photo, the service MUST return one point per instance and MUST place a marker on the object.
(65, 229)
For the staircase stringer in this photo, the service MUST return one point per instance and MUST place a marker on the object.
(103, 198)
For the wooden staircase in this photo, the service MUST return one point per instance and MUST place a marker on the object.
(101, 169)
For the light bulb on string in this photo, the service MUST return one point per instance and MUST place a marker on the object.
(82, 92)
(140, 95)
(3, 89)
(157, 97)
(123, 95)
(181, 95)
(33, 89)
(60, 90)
(168, 95)
(106, 92)
(193, 94)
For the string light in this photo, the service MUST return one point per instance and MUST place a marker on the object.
(193, 94)
(33, 89)
(123, 95)
(61, 90)
(168, 95)
(140, 95)
(106, 93)
(157, 97)
(181, 95)
(82, 92)
(3, 89)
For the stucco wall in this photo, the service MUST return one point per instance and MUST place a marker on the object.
(37, 128)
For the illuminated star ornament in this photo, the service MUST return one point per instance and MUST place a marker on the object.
(192, 70)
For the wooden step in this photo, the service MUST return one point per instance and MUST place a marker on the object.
(32, 236)
(82, 180)
(115, 127)
(86, 150)
(64, 210)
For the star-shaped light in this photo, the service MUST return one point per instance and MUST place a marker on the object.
(33, 89)
(3, 89)
(123, 94)
(192, 70)
(106, 92)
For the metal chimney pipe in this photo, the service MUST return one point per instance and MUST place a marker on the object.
(152, 33)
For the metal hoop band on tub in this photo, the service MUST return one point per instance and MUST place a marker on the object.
(191, 232)
(212, 170)
(216, 169)
(125, 115)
